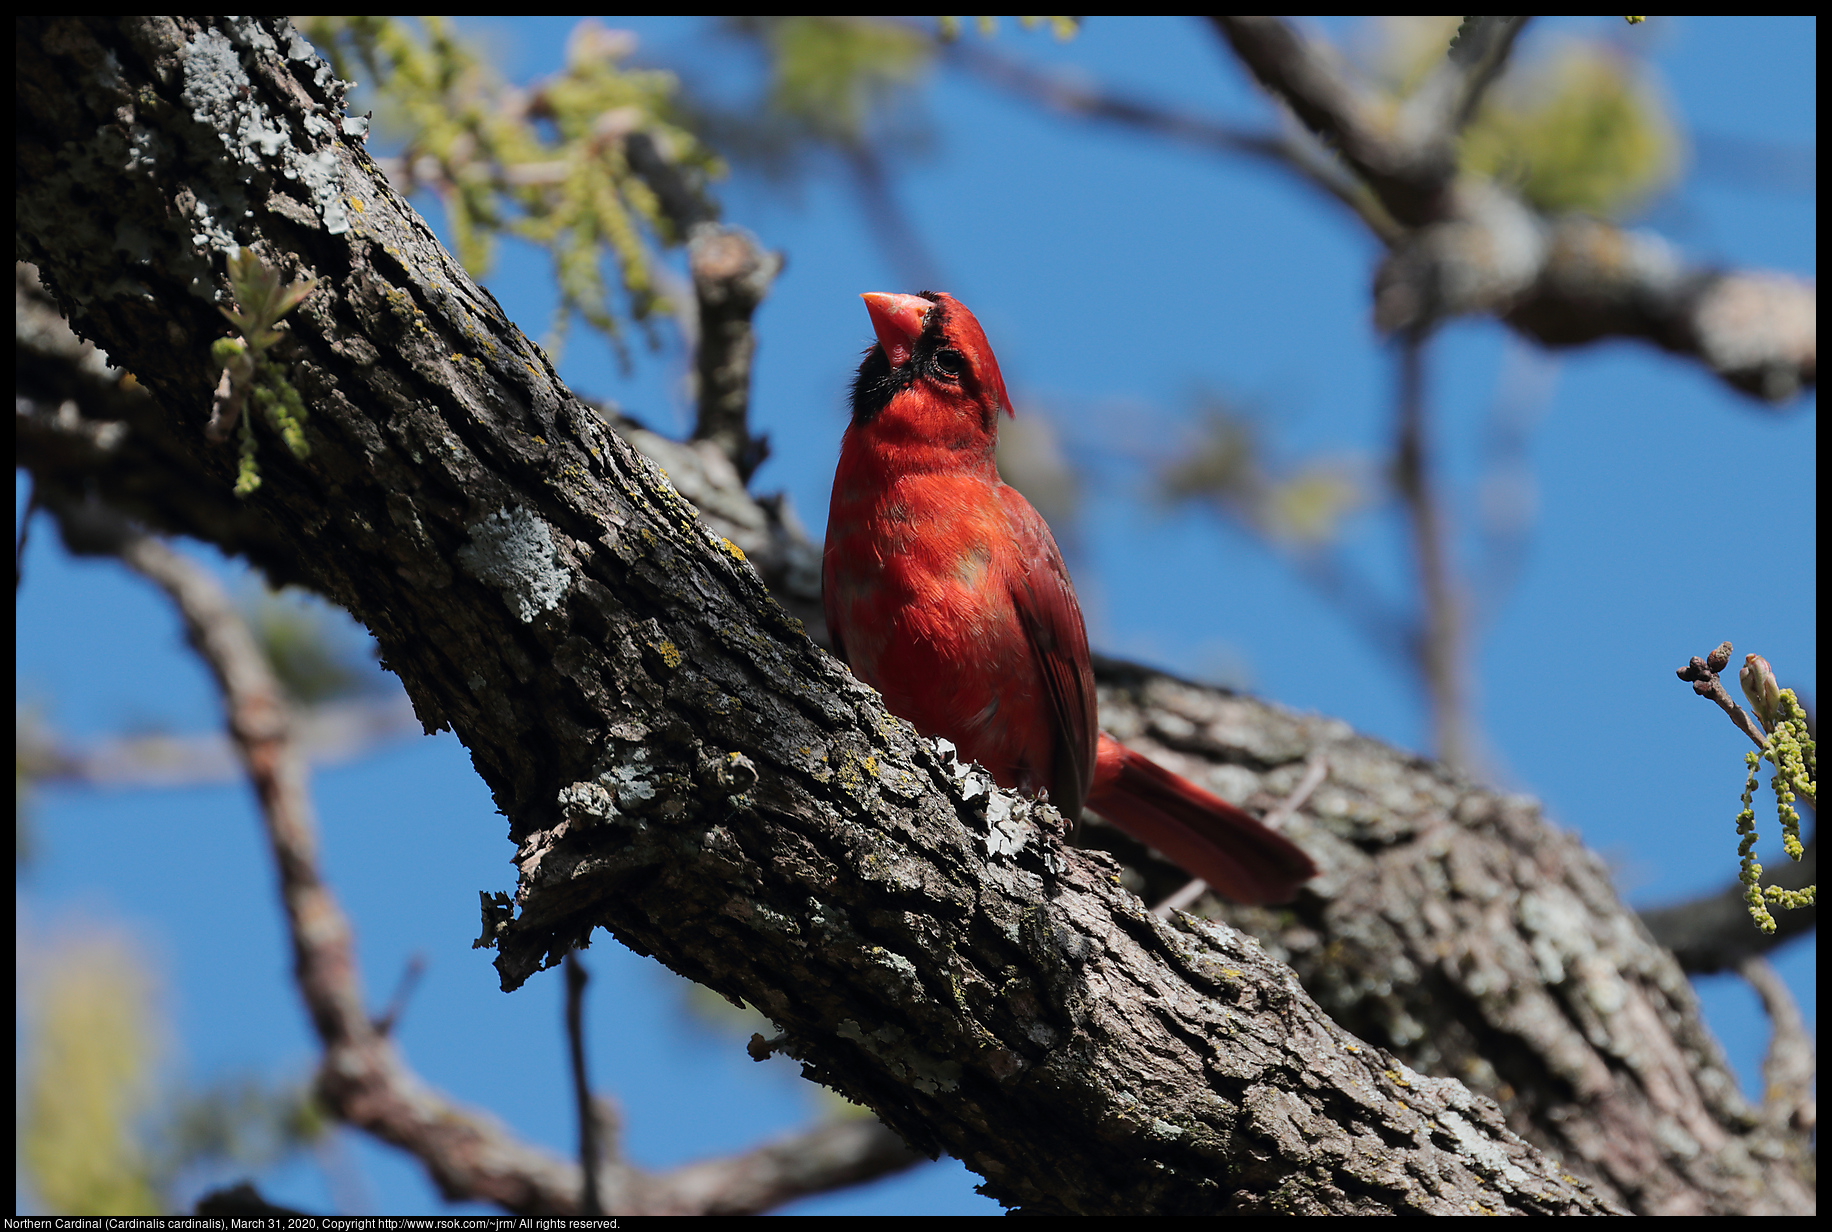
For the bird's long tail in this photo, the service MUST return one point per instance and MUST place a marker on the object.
(1203, 834)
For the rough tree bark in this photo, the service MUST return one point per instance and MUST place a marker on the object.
(682, 766)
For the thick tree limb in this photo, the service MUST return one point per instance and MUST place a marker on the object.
(1455, 927)
(681, 765)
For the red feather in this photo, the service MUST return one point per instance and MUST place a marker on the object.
(946, 592)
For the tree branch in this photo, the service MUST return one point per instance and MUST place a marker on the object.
(324, 735)
(1439, 647)
(1570, 280)
(1293, 151)
(1702, 674)
(1408, 159)
(680, 765)
(1455, 927)
(1474, 247)
(1712, 932)
(1788, 1067)
(589, 1150)
(731, 275)
(1478, 52)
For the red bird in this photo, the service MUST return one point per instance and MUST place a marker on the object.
(945, 591)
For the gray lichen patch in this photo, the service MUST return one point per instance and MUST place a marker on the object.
(221, 97)
(219, 94)
(514, 551)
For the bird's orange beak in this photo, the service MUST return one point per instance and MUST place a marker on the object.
(897, 320)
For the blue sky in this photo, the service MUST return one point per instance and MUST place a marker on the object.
(1118, 278)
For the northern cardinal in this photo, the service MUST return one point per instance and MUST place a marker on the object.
(945, 591)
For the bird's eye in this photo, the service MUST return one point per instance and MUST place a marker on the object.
(949, 362)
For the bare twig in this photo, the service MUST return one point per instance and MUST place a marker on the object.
(582, 1088)
(1505, 493)
(325, 735)
(1703, 675)
(1181, 900)
(1440, 639)
(844, 1153)
(1788, 1067)
(25, 526)
(1478, 53)
(388, 1019)
(1408, 158)
(1316, 769)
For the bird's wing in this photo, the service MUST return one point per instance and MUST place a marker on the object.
(1045, 600)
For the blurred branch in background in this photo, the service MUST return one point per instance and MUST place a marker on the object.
(1711, 933)
(731, 275)
(840, 91)
(327, 735)
(1297, 510)
(343, 710)
(1291, 148)
(1500, 208)
(1507, 490)
(1439, 649)
(1507, 245)
(1791, 1063)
